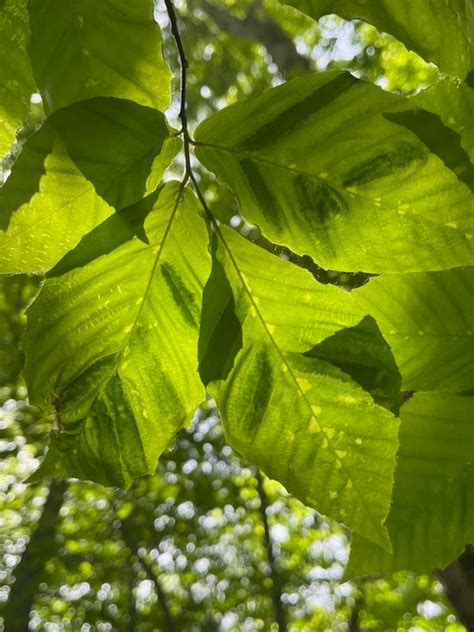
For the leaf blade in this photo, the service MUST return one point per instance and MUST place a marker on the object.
(300, 419)
(312, 161)
(108, 49)
(440, 32)
(116, 355)
(433, 480)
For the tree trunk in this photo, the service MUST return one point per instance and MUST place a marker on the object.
(280, 615)
(29, 571)
(128, 533)
(458, 582)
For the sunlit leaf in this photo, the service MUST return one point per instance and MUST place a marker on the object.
(104, 147)
(439, 31)
(319, 167)
(16, 80)
(109, 48)
(46, 206)
(302, 420)
(427, 320)
(362, 353)
(118, 145)
(432, 516)
(109, 235)
(111, 348)
(454, 102)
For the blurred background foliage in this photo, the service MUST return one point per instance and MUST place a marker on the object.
(206, 544)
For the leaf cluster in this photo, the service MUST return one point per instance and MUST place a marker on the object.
(358, 402)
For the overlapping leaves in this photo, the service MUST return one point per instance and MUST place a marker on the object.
(431, 518)
(111, 346)
(439, 31)
(86, 158)
(141, 310)
(329, 166)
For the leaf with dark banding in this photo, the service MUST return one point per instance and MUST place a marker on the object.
(111, 348)
(303, 420)
(331, 167)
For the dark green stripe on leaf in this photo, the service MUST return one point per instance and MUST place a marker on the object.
(440, 140)
(182, 296)
(264, 383)
(386, 164)
(317, 201)
(296, 114)
(265, 197)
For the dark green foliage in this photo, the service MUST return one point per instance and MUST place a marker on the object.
(309, 274)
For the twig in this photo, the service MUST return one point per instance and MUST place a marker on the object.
(274, 576)
(184, 68)
(183, 113)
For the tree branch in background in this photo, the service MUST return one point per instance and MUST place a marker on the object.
(458, 582)
(257, 26)
(30, 570)
(353, 625)
(128, 533)
(280, 615)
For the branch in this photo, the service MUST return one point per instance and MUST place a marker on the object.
(30, 569)
(274, 576)
(127, 529)
(458, 582)
(184, 67)
(183, 113)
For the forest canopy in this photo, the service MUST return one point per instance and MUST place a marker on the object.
(236, 351)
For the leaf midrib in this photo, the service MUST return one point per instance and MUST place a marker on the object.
(298, 387)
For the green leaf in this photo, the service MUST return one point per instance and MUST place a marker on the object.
(16, 81)
(317, 165)
(84, 49)
(454, 102)
(432, 516)
(302, 420)
(440, 140)
(46, 205)
(427, 320)
(109, 235)
(439, 31)
(111, 348)
(362, 353)
(118, 145)
(11, 357)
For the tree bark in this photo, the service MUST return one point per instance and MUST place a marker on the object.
(280, 615)
(132, 544)
(29, 571)
(458, 582)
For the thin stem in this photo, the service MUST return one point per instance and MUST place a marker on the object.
(183, 113)
(184, 68)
